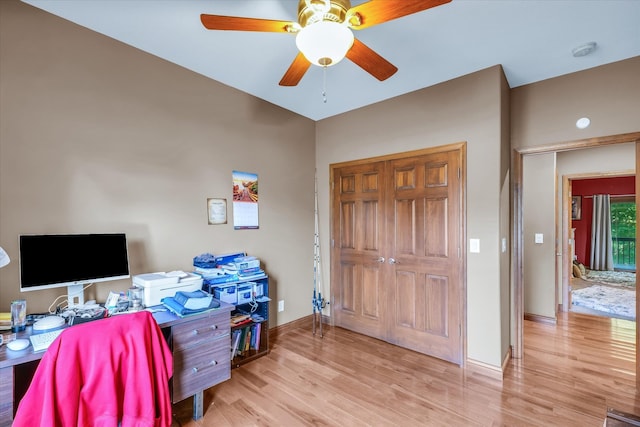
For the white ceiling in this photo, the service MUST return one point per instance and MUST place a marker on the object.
(531, 39)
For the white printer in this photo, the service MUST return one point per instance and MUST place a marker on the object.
(159, 285)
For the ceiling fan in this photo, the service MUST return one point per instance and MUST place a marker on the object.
(323, 32)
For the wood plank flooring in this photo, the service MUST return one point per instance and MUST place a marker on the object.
(570, 374)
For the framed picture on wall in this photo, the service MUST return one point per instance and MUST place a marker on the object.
(576, 207)
(217, 211)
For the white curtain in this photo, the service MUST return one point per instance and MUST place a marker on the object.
(601, 245)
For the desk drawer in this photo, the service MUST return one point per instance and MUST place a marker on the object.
(200, 368)
(201, 331)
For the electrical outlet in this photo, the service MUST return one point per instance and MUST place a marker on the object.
(280, 305)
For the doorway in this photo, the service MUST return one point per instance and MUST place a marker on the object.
(397, 255)
(517, 221)
(595, 288)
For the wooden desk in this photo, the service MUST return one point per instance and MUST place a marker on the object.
(201, 358)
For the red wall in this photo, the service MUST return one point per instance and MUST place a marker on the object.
(589, 187)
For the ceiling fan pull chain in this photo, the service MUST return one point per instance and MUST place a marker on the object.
(324, 84)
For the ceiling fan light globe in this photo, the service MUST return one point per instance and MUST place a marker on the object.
(324, 43)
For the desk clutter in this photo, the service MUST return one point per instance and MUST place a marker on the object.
(221, 269)
(200, 345)
(214, 278)
(206, 344)
(238, 279)
(234, 278)
(230, 277)
(83, 314)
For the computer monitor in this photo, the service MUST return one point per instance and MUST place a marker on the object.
(71, 260)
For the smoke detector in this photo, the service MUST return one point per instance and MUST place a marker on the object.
(584, 49)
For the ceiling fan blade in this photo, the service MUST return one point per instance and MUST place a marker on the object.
(235, 23)
(370, 61)
(296, 71)
(376, 12)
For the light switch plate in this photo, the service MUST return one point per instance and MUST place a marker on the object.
(474, 246)
(539, 238)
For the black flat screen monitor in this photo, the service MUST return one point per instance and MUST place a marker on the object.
(71, 260)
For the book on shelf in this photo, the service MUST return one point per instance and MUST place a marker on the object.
(252, 343)
(235, 343)
(245, 339)
(256, 342)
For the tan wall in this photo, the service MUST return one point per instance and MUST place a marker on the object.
(505, 221)
(539, 218)
(464, 109)
(546, 112)
(96, 136)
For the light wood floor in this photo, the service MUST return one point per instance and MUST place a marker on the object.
(569, 375)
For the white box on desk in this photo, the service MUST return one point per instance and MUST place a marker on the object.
(226, 293)
(244, 293)
(154, 279)
(157, 286)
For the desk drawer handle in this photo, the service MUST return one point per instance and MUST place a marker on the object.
(212, 327)
(196, 369)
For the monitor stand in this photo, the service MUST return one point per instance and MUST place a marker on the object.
(75, 295)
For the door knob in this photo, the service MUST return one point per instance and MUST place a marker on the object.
(392, 261)
(381, 259)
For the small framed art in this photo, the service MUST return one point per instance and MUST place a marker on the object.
(576, 207)
(217, 211)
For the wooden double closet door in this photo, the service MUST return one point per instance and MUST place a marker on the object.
(397, 258)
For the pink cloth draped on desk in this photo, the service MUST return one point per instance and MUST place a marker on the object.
(102, 373)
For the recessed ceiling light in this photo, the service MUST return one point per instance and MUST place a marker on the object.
(583, 123)
(584, 49)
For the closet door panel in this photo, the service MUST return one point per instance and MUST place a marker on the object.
(428, 313)
(359, 299)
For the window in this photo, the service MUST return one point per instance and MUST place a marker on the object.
(623, 232)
